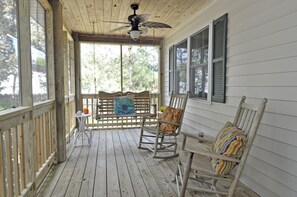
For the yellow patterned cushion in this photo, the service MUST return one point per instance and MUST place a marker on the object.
(170, 115)
(230, 142)
(227, 124)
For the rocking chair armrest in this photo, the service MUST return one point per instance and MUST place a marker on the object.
(212, 155)
(206, 139)
(166, 122)
(154, 109)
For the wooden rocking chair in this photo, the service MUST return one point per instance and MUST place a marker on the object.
(201, 170)
(162, 137)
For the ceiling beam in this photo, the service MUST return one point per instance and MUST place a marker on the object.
(117, 39)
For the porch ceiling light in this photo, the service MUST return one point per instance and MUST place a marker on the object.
(135, 34)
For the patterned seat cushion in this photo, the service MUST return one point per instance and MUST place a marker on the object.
(170, 115)
(230, 142)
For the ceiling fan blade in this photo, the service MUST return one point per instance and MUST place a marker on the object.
(143, 17)
(143, 30)
(117, 22)
(120, 28)
(151, 24)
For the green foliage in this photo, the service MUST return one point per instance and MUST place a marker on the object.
(101, 68)
(5, 106)
(8, 31)
(40, 62)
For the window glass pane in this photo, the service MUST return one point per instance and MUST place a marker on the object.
(181, 81)
(181, 55)
(38, 51)
(181, 59)
(100, 68)
(9, 71)
(199, 64)
(171, 67)
(171, 86)
(171, 59)
(70, 69)
(140, 68)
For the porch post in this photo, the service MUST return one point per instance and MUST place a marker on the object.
(78, 100)
(26, 93)
(59, 78)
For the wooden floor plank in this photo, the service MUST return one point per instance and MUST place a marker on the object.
(51, 181)
(146, 174)
(78, 173)
(137, 181)
(63, 182)
(90, 171)
(113, 187)
(157, 172)
(100, 178)
(123, 173)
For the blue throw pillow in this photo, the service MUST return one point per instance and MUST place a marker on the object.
(124, 105)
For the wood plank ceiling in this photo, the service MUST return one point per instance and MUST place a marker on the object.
(88, 16)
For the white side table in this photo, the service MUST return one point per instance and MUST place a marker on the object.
(82, 133)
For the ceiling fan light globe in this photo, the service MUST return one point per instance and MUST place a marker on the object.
(135, 34)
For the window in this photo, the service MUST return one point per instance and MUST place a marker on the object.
(114, 68)
(199, 64)
(171, 69)
(181, 58)
(9, 65)
(207, 67)
(38, 51)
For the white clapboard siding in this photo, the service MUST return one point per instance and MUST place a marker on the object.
(267, 183)
(269, 80)
(259, 14)
(274, 25)
(278, 174)
(275, 106)
(278, 161)
(266, 41)
(275, 66)
(257, 187)
(261, 62)
(278, 134)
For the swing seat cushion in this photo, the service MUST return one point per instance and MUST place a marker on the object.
(124, 105)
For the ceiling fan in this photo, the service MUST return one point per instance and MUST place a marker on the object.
(138, 23)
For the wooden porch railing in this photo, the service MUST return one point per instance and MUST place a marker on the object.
(70, 120)
(91, 101)
(26, 153)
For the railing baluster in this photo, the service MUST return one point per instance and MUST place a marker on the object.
(2, 179)
(9, 167)
(15, 161)
(22, 156)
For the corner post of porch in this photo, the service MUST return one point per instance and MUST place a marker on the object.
(26, 93)
(59, 78)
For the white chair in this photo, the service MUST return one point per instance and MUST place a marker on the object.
(162, 137)
(195, 171)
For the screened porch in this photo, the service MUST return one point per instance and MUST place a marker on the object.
(56, 55)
